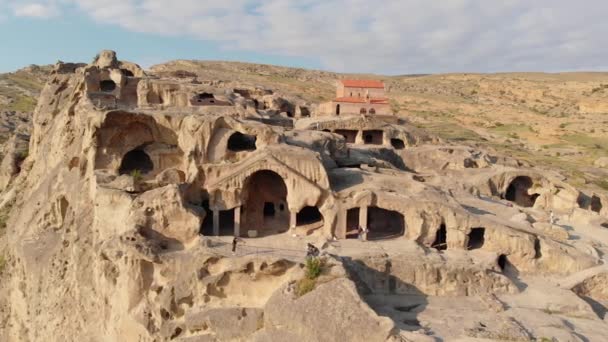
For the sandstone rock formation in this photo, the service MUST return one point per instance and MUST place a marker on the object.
(123, 211)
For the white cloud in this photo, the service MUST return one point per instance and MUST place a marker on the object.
(36, 10)
(389, 36)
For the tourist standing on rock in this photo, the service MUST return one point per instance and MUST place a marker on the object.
(551, 218)
(311, 251)
(360, 232)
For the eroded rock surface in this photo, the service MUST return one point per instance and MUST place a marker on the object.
(123, 212)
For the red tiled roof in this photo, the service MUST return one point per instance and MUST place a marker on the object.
(378, 100)
(363, 83)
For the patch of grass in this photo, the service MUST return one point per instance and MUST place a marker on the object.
(305, 285)
(314, 268)
(450, 131)
(26, 81)
(2, 263)
(587, 141)
(137, 176)
(23, 104)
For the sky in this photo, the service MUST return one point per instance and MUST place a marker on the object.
(367, 36)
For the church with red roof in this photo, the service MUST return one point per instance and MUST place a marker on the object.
(358, 97)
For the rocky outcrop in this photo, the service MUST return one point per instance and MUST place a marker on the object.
(333, 311)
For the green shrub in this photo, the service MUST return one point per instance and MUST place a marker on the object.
(314, 266)
(137, 175)
(305, 285)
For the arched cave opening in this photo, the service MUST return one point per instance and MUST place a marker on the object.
(338, 109)
(397, 144)
(308, 215)
(373, 137)
(384, 224)
(476, 238)
(239, 142)
(441, 236)
(107, 86)
(596, 204)
(363, 111)
(127, 72)
(372, 111)
(264, 192)
(135, 160)
(518, 192)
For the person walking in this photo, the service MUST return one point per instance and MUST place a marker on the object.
(234, 244)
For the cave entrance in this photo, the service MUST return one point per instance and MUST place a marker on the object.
(352, 223)
(338, 109)
(127, 72)
(596, 204)
(476, 238)
(372, 111)
(308, 215)
(239, 142)
(226, 223)
(349, 135)
(502, 262)
(384, 224)
(373, 137)
(135, 161)
(265, 209)
(107, 86)
(203, 99)
(397, 144)
(441, 236)
(518, 192)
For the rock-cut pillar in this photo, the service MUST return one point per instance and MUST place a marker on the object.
(237, 221)
(363, 220)
(293, 221)
(216, 222)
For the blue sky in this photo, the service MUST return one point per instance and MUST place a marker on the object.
(74, 38)
(389, 36)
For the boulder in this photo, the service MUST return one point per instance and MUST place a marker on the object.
(333, 311)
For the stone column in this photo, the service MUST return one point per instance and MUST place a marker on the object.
(237, 221)
(216, 222)
(363, 220)
(359, 138)
(292, 221)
